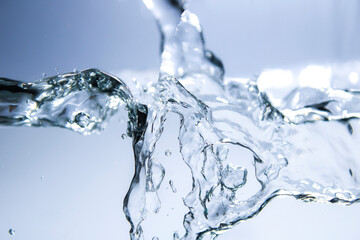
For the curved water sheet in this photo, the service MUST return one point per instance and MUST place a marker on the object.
(240, 151)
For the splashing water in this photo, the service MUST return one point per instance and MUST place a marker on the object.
(303, 146)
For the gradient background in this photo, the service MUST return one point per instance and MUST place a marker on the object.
(59, 185)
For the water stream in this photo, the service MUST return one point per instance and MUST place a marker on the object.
(304, 146)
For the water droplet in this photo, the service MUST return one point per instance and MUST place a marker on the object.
(155, 238)
(123, 136)
(44, 74)
(176, 236)
(75, 70)
(171, 183)
(42, 178)
(157, 210)
(12, 231)
(82, 119)
(168, 153)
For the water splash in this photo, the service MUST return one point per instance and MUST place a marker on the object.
(305, 146)
(77, 101)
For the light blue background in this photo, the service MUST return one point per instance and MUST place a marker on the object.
(59, 185)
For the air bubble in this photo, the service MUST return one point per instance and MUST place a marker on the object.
(168, 153)
(82, 119)
(12, 231)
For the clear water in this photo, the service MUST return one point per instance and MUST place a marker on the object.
(243, 146)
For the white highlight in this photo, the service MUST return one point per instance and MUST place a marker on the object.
(188, 17)
(276, 78)
(354, 77)
(149, 4)
(315, 76)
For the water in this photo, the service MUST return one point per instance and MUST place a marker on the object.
(12, 231)
(243, 145)
(173, 188)
(168, 153)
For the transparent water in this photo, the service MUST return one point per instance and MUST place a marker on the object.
(242, 144)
